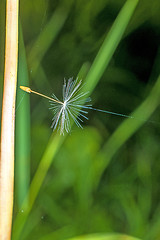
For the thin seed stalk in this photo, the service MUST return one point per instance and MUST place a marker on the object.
(8, 120)
(28, 90)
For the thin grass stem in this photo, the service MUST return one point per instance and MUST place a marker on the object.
(8, 120)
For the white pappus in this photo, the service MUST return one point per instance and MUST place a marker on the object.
(73, 107)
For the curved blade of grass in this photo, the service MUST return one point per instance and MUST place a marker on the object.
(99, 236)
(96, 71)
(53, 146)
(48, 35)
(22, 128)
(46, 161)
(110, 44)
(129, 127)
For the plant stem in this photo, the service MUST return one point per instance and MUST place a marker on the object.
(8, 120)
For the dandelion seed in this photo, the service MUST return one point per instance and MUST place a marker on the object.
(74, 106)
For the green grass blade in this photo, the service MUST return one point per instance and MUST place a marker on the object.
(51, 150)
(22, 128)
(48, 35)
(53, 147)
(110, 44)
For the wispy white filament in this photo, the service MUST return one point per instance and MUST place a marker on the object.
(73, 107)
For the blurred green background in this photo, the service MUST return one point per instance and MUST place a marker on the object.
(103, 178)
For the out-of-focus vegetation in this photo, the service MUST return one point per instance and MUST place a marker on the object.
(102, 179)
